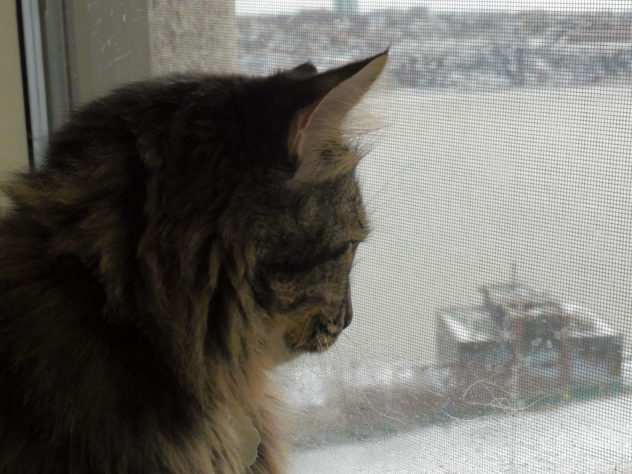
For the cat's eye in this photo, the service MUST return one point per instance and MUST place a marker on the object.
(293, 266)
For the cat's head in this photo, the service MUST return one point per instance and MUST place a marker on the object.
(299, 216)
(211, 209)
(216, 206)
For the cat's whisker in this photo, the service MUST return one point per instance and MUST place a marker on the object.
(375, 201)
(351, 339)
(320, 343)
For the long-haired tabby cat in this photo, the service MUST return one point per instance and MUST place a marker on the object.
(184, 236)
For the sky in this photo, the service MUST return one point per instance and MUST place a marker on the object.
(246, 7)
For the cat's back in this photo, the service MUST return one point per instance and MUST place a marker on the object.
(67, 361)
(33, 319)
(66, 370)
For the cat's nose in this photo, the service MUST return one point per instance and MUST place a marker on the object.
(348, 311)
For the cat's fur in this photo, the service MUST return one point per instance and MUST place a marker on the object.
(184, 236)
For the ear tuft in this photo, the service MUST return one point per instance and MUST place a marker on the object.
(316, 132)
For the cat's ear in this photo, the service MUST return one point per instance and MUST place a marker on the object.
(315, 127)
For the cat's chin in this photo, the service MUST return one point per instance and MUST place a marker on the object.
(313, 346)
(321, 343)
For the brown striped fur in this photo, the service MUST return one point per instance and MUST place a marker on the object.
(162, 262)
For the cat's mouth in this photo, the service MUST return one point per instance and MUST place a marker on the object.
(321, 337)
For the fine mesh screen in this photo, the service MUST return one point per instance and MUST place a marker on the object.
(492, 299)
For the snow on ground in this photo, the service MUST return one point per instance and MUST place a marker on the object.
(585, 437)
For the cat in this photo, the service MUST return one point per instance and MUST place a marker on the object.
(184, 236)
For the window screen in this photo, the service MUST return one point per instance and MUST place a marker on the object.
(492, 299)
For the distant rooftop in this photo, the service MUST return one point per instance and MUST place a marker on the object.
(471, 324)
(516, 295)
